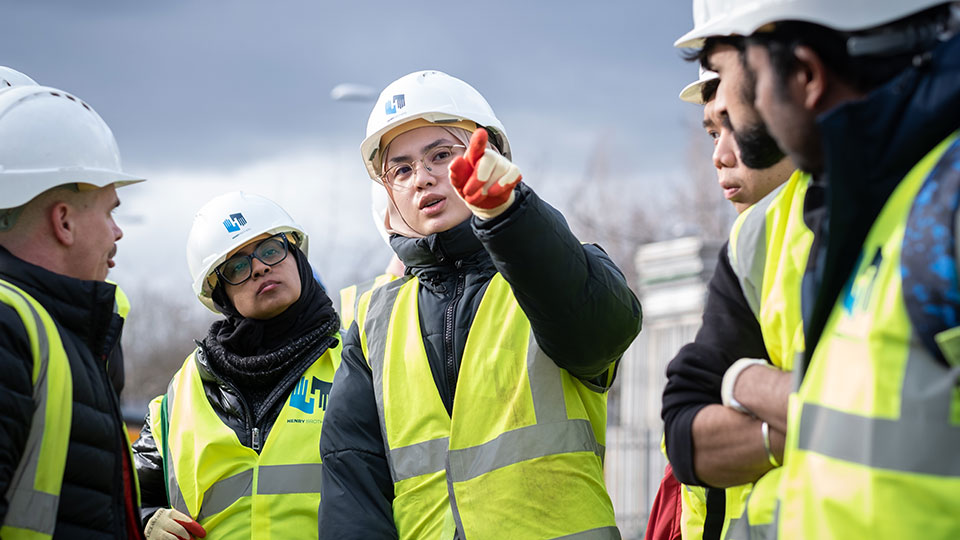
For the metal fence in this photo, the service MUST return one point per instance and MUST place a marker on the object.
(672, 289)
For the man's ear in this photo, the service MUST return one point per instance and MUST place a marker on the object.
(61, 219)
(810, 78)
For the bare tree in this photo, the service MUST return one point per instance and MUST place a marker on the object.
(157, 336)
(620, 220)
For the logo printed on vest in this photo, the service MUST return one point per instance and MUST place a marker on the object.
(860, 286)
(393, 105)
(302, 397)
(234, 222)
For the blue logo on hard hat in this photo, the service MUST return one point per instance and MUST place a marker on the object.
(302, 397)
(393, 105)
(234, 222)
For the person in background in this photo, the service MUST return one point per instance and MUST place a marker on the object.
(66, 470)
(232, 449)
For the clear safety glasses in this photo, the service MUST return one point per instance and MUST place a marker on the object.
(400, 176)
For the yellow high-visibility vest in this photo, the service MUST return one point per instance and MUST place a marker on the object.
(230, 489)
(768, 250)
(350, 298)
(520, 457)
(34, 493)
(873, 441)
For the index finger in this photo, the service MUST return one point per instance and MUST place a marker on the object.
(478, 143)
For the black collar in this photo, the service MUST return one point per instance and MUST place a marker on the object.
(441, 252)
(84, 307)
(869, 146)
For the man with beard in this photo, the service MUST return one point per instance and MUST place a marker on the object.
(709, 441)
(865, 98)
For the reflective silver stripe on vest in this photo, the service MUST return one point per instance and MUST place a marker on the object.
(554, 433)
(419, 459)
(740, 529)
(381, 304)
(546, 386)
(173, 487)
(751, 250)
(521, 445)
(921, 441)
(600, 533)
(28, 508)
(286, 479)
(226, 492)
(272, 480)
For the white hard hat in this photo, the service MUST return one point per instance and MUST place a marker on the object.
(12, 77)
(49, 138)
(227, 222)
(744, 17)
(435, 97)
(692, 93)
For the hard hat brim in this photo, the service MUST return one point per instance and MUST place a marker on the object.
(24, 186)
(691, 93)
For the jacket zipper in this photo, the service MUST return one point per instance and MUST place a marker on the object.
(254, 432)
(448, 330)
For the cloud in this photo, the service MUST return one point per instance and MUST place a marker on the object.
(321, 191)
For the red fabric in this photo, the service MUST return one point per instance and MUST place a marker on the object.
(134, 530)
(193, 528)
(463, 176)
(664, 523)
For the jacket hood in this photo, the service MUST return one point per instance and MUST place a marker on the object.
(869, 146)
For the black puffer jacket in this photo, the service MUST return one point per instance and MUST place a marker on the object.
(582, 313)
(92, 497)
(233, 409)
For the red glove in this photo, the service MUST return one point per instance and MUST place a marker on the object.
(169, 523)
(484, 179)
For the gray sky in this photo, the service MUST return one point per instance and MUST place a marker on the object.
(207, 96)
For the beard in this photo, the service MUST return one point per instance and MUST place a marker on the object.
(758, 150)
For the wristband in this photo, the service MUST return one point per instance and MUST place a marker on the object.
(730, 380)
(765, 431)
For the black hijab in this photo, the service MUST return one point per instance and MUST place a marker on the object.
(251, 337)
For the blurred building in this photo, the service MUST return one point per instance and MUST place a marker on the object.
(672, 285)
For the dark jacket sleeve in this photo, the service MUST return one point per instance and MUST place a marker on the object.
(16, 396)
(730, 331)
(149, 463)
(356, 485)
(582, 312)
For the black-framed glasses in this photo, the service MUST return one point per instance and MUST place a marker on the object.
(435, 162)
(270, 251)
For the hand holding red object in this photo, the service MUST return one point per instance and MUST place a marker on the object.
(169, 523)
(483, 178)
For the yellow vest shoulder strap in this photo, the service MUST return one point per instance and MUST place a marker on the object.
(34, 493)
(747, 248)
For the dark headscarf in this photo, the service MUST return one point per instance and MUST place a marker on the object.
(252, 337)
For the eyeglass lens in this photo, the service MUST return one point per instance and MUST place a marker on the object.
(434, 161)
(238, 269)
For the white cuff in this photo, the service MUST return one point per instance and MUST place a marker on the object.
(730, 380)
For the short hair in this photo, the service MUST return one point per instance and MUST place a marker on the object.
(708, 90)
(850, 56)
(9, 216)
(702, 55)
